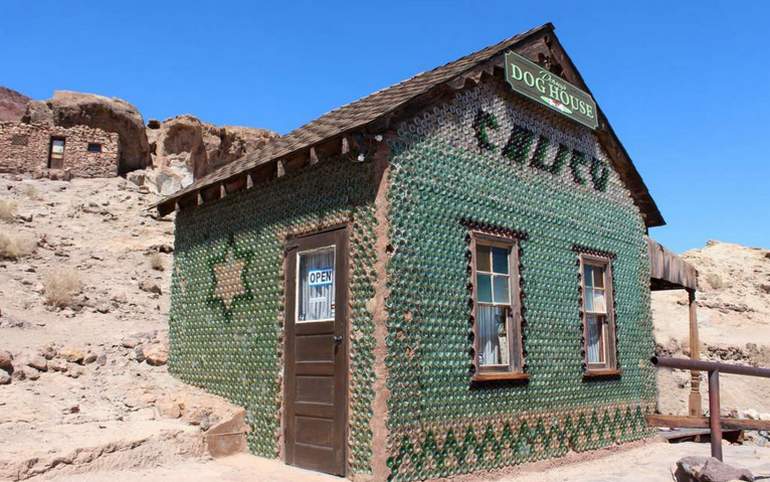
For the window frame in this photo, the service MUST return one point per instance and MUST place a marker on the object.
(610, 366)
(514, 328)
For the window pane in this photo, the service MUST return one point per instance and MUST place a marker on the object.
(598, 277)
(482, 258)
(502, 292)
(484, 288)
(588, 299)
(595, 340)
(600, 304)
(588, 276)
(500, 260)
(493, 336)
(316, 286)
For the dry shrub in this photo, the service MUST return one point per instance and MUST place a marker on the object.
(16, 246)
(31, 191)
(156, 262)
(7, 210)
(61, 286)
(715, 281)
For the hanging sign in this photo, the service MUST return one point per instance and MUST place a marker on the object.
(320, 277)
(542, 86)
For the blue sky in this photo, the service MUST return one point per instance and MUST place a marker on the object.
(686, 85)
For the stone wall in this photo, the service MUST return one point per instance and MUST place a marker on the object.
(24, 148)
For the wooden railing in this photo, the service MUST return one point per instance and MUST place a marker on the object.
(714, 422)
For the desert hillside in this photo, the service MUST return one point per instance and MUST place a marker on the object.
(734, 325)
(84, 275)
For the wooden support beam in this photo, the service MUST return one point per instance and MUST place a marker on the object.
(313, 156)
(695, 403)
(727, 423)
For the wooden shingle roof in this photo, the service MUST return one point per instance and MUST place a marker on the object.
(366, 110)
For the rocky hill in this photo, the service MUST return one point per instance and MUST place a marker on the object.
(733, 320)
(13, 104)
(84, 275)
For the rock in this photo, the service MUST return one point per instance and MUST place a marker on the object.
(136, 177)
(101, 360)
(708, 469)
(74, 371)
(229, 436)
(69, 109)
(72, 355)
(168, 408)
(30, 373)
(6, 361)
(58, 365)
(155, 354)
(150, 287)
(138, 353)
(38, 112)
(89, 358)
(38, 362)
(200, 147)
(129, 342)
(19, 374)
(5, 378)
(13, 105)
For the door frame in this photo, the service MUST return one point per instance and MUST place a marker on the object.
(338, 236)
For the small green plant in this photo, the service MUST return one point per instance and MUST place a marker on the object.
(7, 210)
(61, 286)
(14, 246)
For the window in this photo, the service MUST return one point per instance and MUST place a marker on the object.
(497, 313)
(94, 147)
(315, 285)
(19, 140)
(598, 315)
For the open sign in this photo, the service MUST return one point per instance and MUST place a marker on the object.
(320, 277)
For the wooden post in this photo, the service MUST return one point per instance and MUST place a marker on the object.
(695, 405)
(714, 424)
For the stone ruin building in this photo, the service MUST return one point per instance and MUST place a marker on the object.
(41, 149)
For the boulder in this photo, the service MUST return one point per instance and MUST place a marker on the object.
(155, 354)
(69, 109)
(229, 436)
(168, 408)
(200, 147)
(708, 469)
(5, 378)
(13, 105)
(150, 287)
(57, 365)
(38, 112)
(6, 361)
(38, 362)
(72, 355)
(30, 373)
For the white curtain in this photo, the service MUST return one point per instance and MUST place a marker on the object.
(594, 338)
(489, 319)
(316, 300)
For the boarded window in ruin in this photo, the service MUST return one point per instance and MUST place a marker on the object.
(94, 147)
(20, 140)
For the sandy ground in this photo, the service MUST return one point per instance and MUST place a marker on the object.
(649, 463)
(111, 415)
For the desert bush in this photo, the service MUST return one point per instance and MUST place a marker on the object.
(7, 210)
(715, 281)
(61, 286)
(31, 191)
(13, 246)
(156, 262)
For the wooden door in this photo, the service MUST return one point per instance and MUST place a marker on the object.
(316, 352)
(56, 153)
